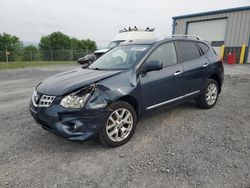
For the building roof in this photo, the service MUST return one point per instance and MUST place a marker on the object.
(212, 12)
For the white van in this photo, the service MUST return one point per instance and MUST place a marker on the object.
(124, 35)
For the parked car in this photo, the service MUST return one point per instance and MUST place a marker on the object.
(107, 99)
(124, 35)
(87, 59)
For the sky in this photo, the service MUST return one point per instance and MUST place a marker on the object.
(98, 20)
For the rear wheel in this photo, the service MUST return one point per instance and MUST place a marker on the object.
(120, 125)
(209, 96)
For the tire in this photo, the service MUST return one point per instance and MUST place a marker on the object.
(203, 101)
(123, 119)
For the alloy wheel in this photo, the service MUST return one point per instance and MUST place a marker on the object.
(119, 125)
(211, 94)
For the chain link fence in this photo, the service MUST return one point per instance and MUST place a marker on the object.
(43, 55)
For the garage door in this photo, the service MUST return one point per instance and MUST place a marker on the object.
(210, 30)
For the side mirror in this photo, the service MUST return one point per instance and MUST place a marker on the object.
(152, 66)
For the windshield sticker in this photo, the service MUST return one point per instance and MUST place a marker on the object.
(140, 49)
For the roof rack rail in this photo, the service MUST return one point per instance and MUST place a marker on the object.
(180, 35)
(186, 36)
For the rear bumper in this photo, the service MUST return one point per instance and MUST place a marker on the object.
(74, 125)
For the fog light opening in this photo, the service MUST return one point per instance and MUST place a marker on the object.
(76, 126)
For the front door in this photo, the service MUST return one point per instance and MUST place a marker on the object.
(165, 85)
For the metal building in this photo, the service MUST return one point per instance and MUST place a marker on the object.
(228, 30)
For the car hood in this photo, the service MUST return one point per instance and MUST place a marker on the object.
(69, 81)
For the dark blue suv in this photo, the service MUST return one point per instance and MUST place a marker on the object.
(106, 99)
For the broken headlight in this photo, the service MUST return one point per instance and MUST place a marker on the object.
(77, 99)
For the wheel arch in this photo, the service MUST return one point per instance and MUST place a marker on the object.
(133, 102)
(217, 78)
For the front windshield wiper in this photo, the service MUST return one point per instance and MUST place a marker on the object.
(96, 68)
(105, 69)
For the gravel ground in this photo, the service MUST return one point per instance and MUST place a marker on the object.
(180, 147)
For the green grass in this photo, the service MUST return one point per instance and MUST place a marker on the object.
(23, 64)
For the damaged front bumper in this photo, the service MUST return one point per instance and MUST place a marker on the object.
(72, 124)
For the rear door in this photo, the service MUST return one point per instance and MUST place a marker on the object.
(195, 66)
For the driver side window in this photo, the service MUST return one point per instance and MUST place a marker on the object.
(164, 53)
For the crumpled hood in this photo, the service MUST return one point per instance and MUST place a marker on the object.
(66, 82)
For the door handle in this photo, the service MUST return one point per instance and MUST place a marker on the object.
(205, 65)
(177, 73)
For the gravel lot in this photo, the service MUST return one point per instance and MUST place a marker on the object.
(179, 147)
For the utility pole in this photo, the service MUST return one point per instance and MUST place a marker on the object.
(51, 54)
(30, 55)
(87, 49)
(6, 53)
(71, 53)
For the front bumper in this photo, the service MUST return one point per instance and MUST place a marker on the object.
(74, 125)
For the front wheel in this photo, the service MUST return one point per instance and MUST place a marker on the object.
(209, 96)
(120, 125)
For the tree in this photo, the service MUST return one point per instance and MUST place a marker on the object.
(55, 41)
(13, 45)
(30, 53)
(82, 47)
(87, 45)
(58, 46)
(58, 42)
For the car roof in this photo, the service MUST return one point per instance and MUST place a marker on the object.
(158, 41)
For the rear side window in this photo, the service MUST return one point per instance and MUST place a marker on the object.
(165, 53)
(187, 50)
(203, 47)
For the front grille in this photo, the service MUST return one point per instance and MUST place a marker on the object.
(46, 101)
(40, 100)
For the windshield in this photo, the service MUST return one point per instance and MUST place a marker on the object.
(121, 57)
(114, 43)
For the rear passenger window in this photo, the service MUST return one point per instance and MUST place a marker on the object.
(203, 47)
(165, 53)
(187, 50)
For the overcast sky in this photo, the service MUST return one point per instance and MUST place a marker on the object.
(99, 20)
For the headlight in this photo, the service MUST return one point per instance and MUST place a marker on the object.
(77, 99)
(34, 98)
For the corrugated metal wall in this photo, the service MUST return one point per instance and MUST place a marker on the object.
(237, 29)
